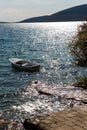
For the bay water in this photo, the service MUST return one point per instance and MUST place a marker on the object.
(46, 44)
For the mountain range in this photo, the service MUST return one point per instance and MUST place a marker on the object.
(77, 13)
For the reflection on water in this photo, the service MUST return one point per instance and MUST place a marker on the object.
(41, 98)
(46, 44)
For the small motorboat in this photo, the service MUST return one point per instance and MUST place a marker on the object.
(21, 64)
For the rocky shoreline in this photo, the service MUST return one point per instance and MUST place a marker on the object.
(77, 117)
(10, 125)
(73, 99)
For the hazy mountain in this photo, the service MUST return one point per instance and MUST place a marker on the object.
(77, 13)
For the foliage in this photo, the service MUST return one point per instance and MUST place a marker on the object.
(82, 82)
(79, 45)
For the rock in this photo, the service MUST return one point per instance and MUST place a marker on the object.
(10, 125)
(43, 92)
(30, 124)
(84, 101)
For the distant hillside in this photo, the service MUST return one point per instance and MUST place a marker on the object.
(36, 19)
(77, 13)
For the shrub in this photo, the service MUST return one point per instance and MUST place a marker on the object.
(79, 45)
(82, 82)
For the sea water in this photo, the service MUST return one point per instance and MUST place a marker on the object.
(46, 44)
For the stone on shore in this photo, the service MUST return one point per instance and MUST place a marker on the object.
(69, 119)
(10, 125)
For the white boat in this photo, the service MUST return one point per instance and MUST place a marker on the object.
(24, 65)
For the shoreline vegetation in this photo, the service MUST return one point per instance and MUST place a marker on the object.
(78, 49)
(82, 83)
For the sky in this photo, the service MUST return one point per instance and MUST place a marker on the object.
(17, 10)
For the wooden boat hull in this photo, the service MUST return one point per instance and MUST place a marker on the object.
(31, 67)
